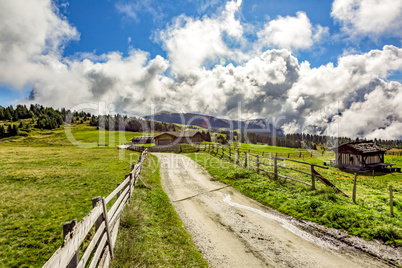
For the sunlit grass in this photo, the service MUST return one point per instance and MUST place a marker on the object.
(47, 179)
(43, 187)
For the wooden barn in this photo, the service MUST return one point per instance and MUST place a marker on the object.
(166, 138)
(361, 156)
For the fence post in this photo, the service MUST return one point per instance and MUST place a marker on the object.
(99, 221)
(288, 155)
(300, 155)
(354, 189)
(312, 178)
(245, 159)
(391, 200)
(67, 228)
(118, 194)
(230, 152)
(109, 237)
(275, 168)
(238, 156)
(258, 164)
(130, 185)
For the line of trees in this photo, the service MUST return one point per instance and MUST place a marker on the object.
(298, 140)
(124, 123)
(42, 118)
(7, 131)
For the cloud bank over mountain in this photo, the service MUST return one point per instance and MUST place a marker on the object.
(212, 67)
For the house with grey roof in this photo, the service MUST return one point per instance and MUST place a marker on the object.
(361, 156)
(167, 138)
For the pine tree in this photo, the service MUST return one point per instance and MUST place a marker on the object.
(2, 131)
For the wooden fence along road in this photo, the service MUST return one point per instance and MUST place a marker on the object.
(252, 159)
(262, 162)
(99, 252)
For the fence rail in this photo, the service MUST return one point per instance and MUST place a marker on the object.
(255, 161)
(180, 148)
(99, 252)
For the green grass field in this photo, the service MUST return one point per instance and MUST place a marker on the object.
(46, 180)
(44, 187)
(80, 135)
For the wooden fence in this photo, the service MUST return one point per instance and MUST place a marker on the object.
(262, 162)
(99, 251)
(299, 154)
(179, 148)
(399, 153)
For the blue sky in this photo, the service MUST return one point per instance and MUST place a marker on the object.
(103, 28)
(318, 65)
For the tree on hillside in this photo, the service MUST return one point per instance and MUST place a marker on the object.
(2, 131)
(208, 136)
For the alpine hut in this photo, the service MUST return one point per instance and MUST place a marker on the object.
(167, 138)
(361, 156)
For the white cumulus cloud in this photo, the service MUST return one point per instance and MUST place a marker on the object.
(190, 42)
(32, 35)
(293, 33)
(371, 18)
(350, 98)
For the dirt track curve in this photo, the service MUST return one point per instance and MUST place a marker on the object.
(231, 230)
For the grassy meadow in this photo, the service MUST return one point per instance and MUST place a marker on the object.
(46, 181)
(47, 178)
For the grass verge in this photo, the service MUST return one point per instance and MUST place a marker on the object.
(43, 187)
(151, 233)
(322, 206)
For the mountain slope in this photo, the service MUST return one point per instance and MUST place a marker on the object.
(260, 126)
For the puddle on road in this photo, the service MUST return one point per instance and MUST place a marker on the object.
(285, 223)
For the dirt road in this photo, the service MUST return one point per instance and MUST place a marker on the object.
(232, 230)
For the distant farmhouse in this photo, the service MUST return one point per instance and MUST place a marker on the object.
(362, 156)
(166, 138)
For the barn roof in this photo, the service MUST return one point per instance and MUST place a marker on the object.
(182, 134)
(364, 147)
(142, 137)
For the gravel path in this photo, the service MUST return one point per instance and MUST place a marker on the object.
(231, 230)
